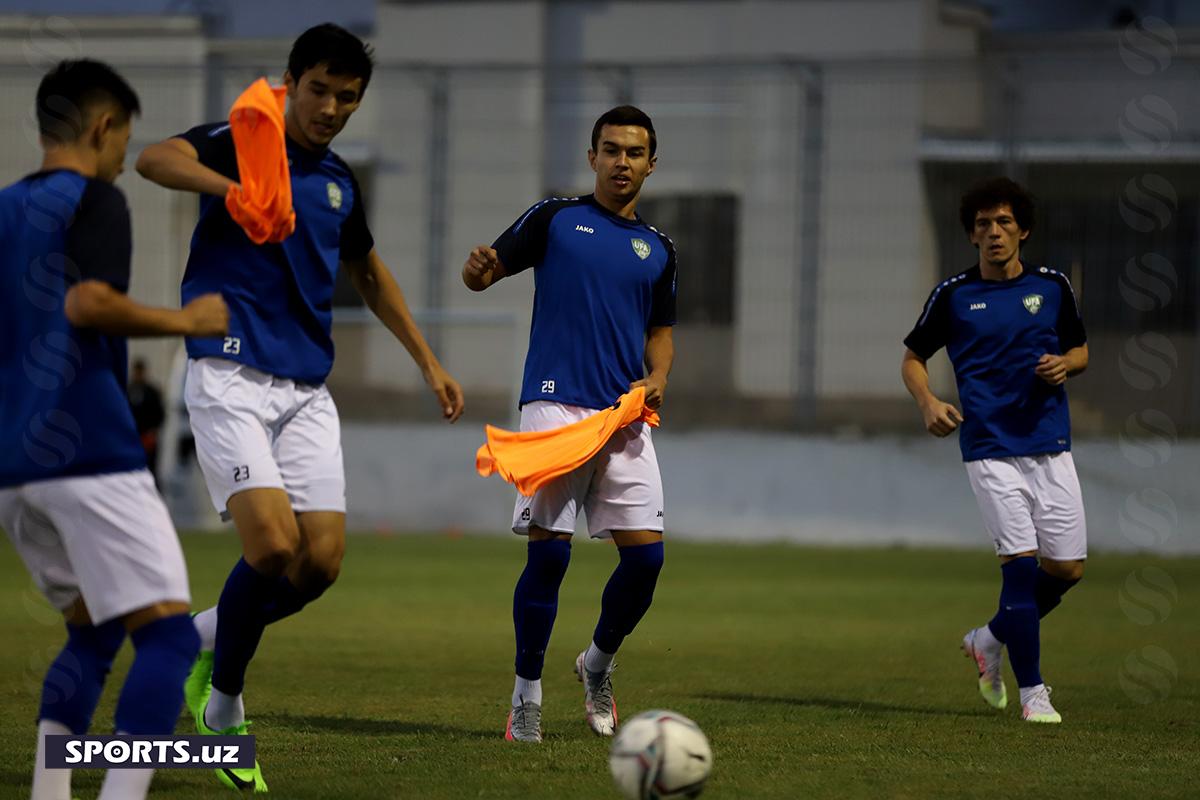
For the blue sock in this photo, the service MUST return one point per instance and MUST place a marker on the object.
(1016, 622)
(153, 692)
(287, 600)
(239, 625)
(535, 603)
(1049, 590)
(75, 680)
(628, 594)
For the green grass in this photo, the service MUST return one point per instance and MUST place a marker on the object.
(814, 672)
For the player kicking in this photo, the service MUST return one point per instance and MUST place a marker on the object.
(604, 304)
(267, 432)
(76, 498)
(1014, 335)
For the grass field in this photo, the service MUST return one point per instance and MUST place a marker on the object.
(815, 673)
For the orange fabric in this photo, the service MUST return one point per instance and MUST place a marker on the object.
(262, 203)
(531, 459)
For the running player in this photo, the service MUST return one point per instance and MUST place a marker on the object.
(1014, 335)
(604, 305)
(76, 498)
(267, 431)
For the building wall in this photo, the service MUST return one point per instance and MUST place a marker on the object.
(171, 98)
(736, 132)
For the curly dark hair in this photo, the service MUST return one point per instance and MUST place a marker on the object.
(992, 192)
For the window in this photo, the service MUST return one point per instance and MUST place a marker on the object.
(704, 230)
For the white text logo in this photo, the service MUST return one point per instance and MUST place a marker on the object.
(585, 229)
(978, 306)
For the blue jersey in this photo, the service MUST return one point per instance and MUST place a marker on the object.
(994, 333)
(280, 296)
(63, 410)
(601, 282)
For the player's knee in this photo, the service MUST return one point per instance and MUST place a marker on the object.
(646, 560)
(321, 568)
(273, 553)
(1065, 570)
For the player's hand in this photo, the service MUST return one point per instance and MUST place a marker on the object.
(481, 263)
(1052, 369)
(207, 315)
(656, 387)
(449, 393)
(941, 419)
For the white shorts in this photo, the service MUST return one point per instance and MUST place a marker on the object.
(256, 431)
(619, 489)
(1031, 503)
(105, 538)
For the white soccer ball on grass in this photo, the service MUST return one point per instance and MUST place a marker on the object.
(660, 755)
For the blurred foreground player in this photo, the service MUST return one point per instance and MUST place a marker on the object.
(267, 432)
(604, 304)
(1014, 335)
(76, 498)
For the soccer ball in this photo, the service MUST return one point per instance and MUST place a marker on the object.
(659, 755)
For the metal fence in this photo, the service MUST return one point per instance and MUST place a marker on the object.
(813, 206)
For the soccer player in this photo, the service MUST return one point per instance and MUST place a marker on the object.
(604, 304)
(1014, 335)
(76, 498)
(267, 432)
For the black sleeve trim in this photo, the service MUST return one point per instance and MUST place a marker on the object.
(100, 240)
(214, 146)
(1071, 333)
(356, 239)
(663, 308)
(523, 245)
(930, 333)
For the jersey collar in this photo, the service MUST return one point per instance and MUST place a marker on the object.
(636, 222)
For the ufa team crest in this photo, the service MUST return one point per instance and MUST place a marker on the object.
(641, 248)
(1033, 303)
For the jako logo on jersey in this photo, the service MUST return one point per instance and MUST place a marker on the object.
(641, 248)
(978, 306)
(335, 195)
(585, 229)
(1033, 303)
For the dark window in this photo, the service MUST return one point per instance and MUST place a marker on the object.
(704, 230)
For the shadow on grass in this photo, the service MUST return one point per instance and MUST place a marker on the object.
(834, 704)
(22, 779)
(369, 727)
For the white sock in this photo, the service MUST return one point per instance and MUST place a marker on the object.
(224, 710)
(527, 692)
(126, 784)
(596, 660)
(206, 626)
(986, 639)
(1029, 691)
(50, 784)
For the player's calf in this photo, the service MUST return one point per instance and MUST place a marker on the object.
(1054, 579)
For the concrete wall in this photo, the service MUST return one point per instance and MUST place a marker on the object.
(1139, 493)
(720, 131)
(172, 100)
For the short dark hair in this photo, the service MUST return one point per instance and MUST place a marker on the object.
(992, 192)
(625, 115)
(338, 49)
(69, 90)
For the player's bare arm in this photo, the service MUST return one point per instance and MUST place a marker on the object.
(383, 296)
(96, 304)
(482, 268)
(175, 164)
(940, 418)
(660, 355)
(1055, 370)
